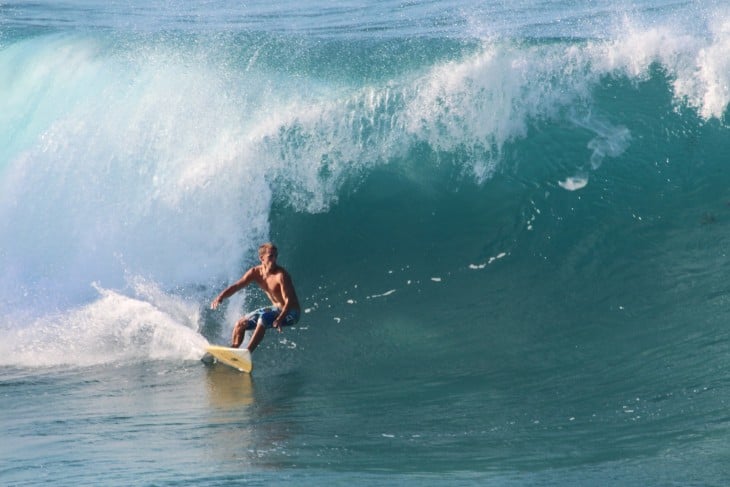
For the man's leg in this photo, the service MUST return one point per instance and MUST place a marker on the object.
(239, 331)
(256, 337)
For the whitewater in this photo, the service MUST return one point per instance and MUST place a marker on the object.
(507, 223)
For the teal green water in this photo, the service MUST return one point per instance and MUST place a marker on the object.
(508, 226)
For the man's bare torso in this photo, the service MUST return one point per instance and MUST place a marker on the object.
(277, 285)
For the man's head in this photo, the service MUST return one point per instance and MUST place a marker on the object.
(268, 249)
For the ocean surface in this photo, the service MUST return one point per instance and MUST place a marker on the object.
(508, 224)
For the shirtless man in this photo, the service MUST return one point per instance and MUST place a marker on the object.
(277, 284)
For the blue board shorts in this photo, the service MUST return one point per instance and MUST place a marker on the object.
(268, 315)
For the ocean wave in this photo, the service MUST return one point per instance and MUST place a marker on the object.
(162, 155)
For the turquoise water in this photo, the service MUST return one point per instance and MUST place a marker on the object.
(507, 223)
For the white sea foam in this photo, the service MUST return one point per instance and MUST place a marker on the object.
(142, 174)
(500, 255)
(386, 293)
(574, 183)
(696, 61)
(112, 329)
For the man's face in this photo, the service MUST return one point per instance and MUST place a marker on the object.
(267, 256)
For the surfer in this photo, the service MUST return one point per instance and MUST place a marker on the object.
(278, 286)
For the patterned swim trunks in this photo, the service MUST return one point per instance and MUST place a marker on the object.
(267, 316)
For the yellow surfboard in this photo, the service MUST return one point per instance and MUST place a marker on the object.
(238, 358)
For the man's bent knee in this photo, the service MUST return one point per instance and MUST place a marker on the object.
(238, 332)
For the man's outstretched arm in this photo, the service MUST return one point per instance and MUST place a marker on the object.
(233, 288)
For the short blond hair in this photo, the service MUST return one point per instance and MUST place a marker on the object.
(268, 246)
